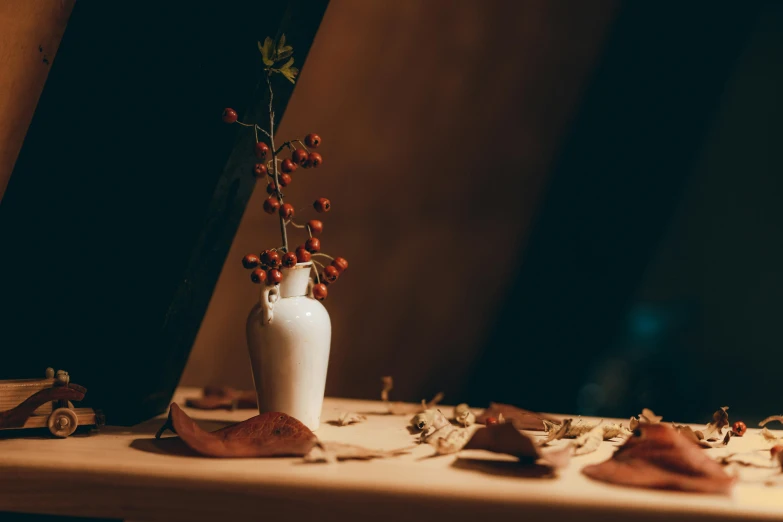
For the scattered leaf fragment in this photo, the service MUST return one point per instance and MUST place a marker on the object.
(348, 417)
(452, 442)
(698, 437)
(267, 435)
(338, 451)
(661, 458)
(646, 417)
(768, 435)
(463, 416)
(404, 408)
(506, 439)
(555, 431)
(521, 419)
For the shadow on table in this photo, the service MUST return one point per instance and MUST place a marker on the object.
(505, 468)
(171, 445)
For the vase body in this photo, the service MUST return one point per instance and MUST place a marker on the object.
(288, 337)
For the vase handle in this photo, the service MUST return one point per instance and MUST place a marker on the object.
(269, 297)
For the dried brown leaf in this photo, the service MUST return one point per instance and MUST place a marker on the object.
(506, 439)
(646, 417)
(521, 419)
(453, 442)
(338, 451)
(661, 458)
(714, 429)
(266, 435)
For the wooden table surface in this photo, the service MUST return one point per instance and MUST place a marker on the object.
(125, 473)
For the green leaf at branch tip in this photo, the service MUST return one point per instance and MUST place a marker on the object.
(290, 73)
(267, 51)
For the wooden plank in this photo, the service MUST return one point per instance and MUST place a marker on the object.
(167, 203)
(14, 392)
(124, 473)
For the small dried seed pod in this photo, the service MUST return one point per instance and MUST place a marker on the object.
(421, 421)
(50, 373)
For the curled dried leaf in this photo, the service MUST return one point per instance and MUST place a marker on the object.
(337, 451)
(771, 418)
(267, 435)
(714, 430)
(697, 437)
(464, 417)
(504, 438)
(661, 458)
(588, 442)
(452, 442)
(555, 431)
(521, 419)
(433, 424)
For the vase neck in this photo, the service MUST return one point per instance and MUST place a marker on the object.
(296, 280)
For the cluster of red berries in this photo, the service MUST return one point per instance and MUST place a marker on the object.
(266, 268)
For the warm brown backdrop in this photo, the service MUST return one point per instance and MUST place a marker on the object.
(30, 33)
(440, 120)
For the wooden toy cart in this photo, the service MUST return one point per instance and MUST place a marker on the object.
(45, 403)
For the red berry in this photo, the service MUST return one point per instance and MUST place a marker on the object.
(271, 205)
(331, 274)
(490, 420)
(261, 150)
(313, 245)
(315, 226)
(229, 115)
(312, 140)
(260, 170)
(314, 160)
(340, 263)
(289, 260)
(320, 292)
(270, 258)
(274, 277)
(302, 255)
(271, 188)
(299, 156)
(258, 276)
(288, 166)
(322, 205)
(250, 261)
(285, 179)
(739, 428)
(776, 451)
(287, 211)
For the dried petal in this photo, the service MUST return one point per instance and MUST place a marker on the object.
(266, 435)
(504, 438)
(521, 419)
(337, 451)
(661, 458)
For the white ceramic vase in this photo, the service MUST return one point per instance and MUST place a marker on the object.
(288, 337)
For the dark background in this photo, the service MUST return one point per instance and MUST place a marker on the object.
(565, 206)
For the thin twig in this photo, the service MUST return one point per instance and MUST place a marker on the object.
(271, 135)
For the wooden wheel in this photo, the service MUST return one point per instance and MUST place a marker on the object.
(62, 422)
